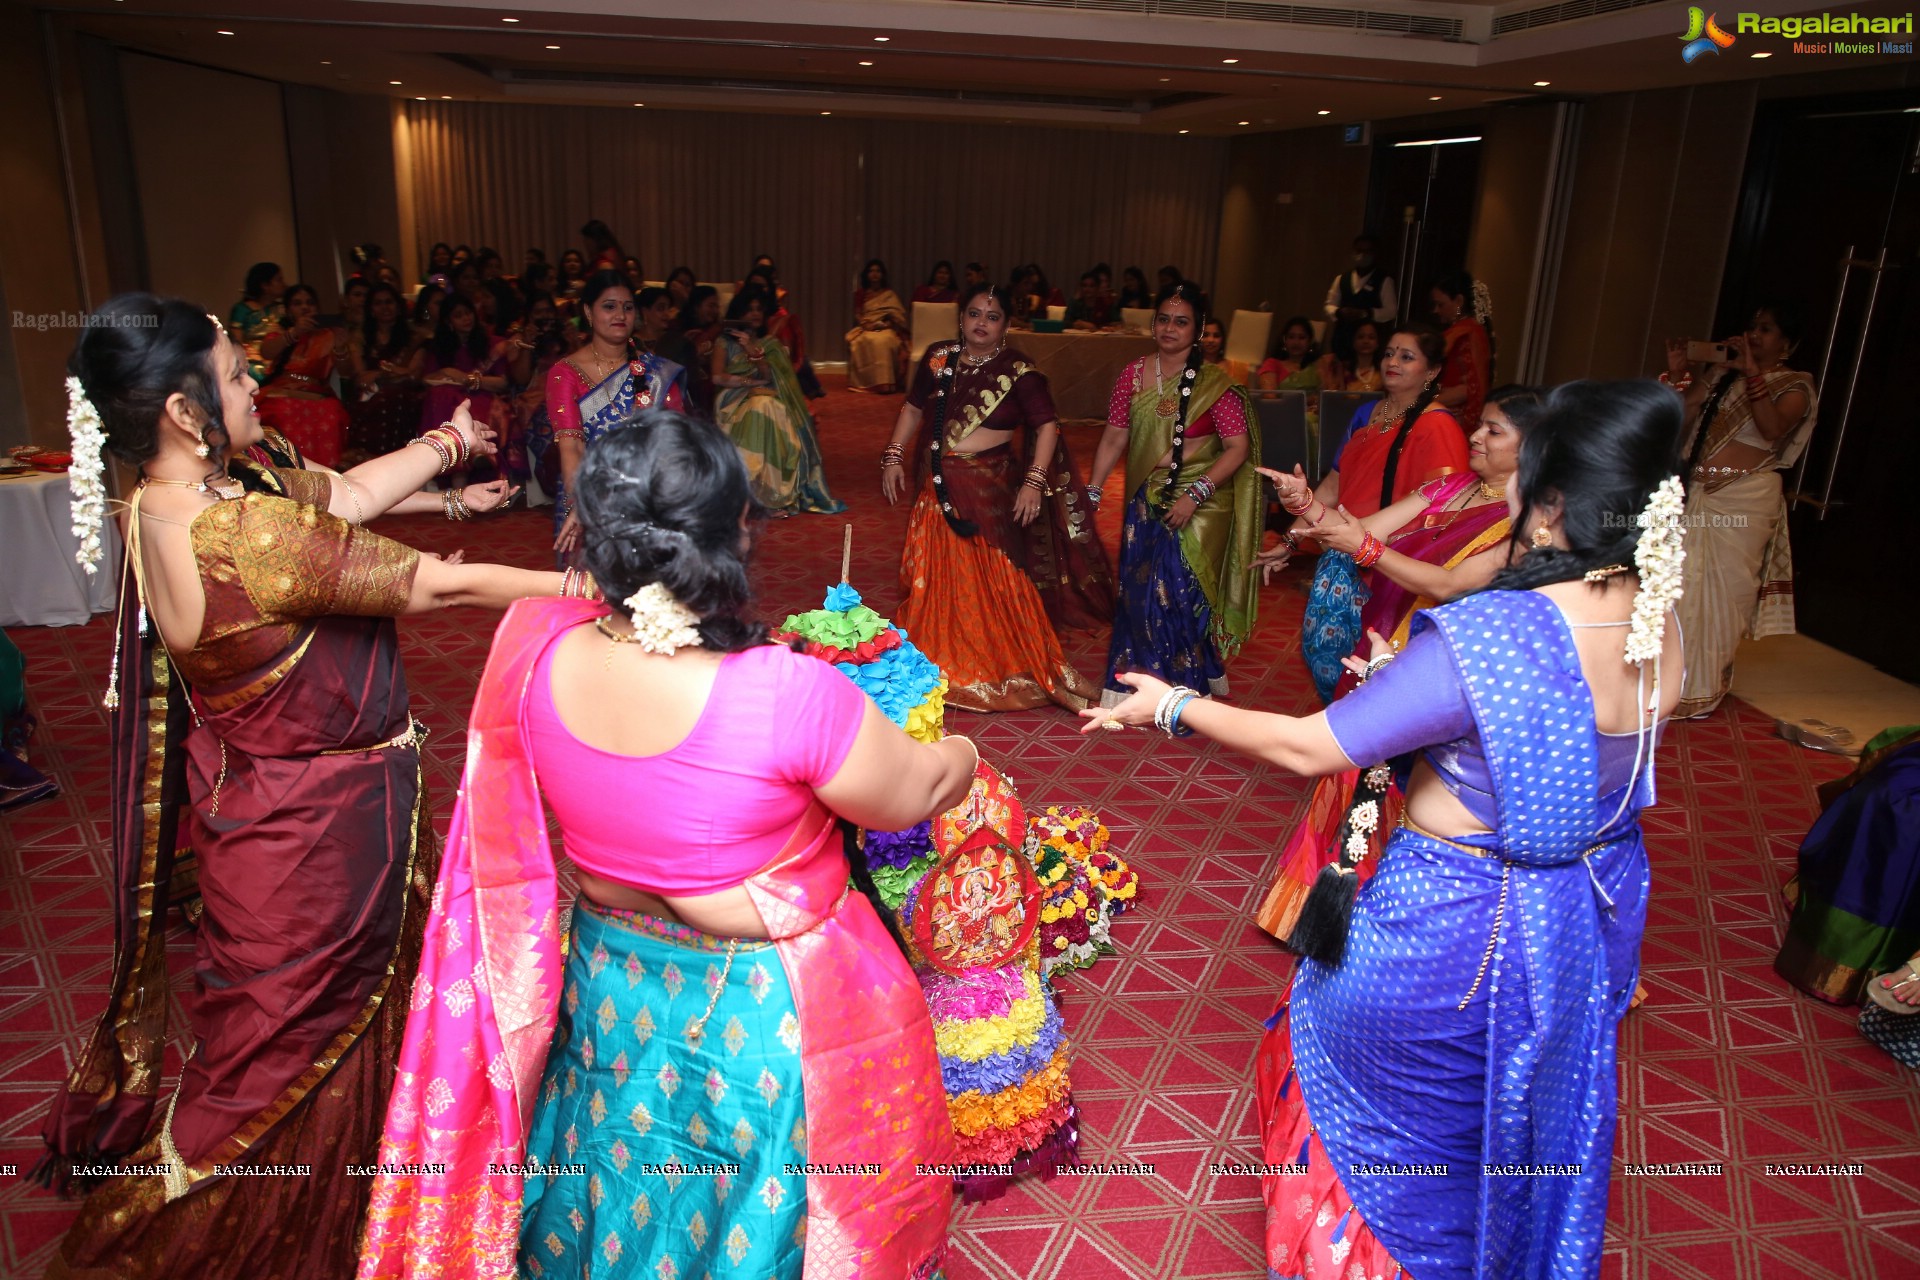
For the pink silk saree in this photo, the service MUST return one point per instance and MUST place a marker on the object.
(446, 1200)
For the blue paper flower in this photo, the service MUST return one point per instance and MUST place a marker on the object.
(841, 598)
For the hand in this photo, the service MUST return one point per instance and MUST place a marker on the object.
(1677, 362)
(303, 327)
(491, 496)
(568, 540)
(452, 557)
(1293, 489)
(1180, 512)
(1740, 358)
(1272, 560)
(893, 483)
(1339, 531)
(1026, 505)
(1378, 646)
(479, 434)
(1137, 708)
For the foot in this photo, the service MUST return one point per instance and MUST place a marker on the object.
(1898, 991)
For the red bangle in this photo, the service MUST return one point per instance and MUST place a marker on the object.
(1371, 549)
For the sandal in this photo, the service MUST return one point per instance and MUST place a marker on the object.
(1639, 996)
(1881, 989)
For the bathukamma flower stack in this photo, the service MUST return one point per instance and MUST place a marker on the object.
(1083, 885)
(877, 656)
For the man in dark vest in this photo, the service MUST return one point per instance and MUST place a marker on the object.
(1364, 293)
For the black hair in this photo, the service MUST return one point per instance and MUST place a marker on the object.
(737, 309)
(973, 291)
(537, 255)
(1524, 406)
(689, 313)
(1190, 293)
(886, 278)
(1380, 335)
(423, 299)
(979, 268)
(286, 352)
(933, 276)
(600, 234)
(1367, 237)
(1313, 348)
(648, 296)
(600, 282)
(461, 253)
(1600, 449)
(1433, 348)
(1459, 284)
(1787, 317)
(438, 245)
(259, 276)
(370, 329)
(367, 253)
(447, 343)
(1089, 277)
(1171, 270)
(136, 351)
(294, 290)
(574, 254)
(537, 278)
(677, 272)
(1134, 273)
(659, 499)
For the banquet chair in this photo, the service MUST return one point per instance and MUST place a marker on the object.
(1137, 319)
(1247, 337)
(932, 322)
(1281, 418)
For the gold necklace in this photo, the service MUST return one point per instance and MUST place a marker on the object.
(231, 489)
(1492, 493)
(1168, 405)
(1386, 413)
(1608, 571)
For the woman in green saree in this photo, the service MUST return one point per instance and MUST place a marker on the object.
(1194, 514)
(759, 404)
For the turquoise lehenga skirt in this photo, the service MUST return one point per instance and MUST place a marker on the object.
(669, 1143)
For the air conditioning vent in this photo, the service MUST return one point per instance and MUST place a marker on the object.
(1381, 22)
(1552, 15)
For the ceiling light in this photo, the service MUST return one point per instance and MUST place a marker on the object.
(393, 82)
(1761, 55)
(553, 46)
(1434, 98)
(866, 64)
(1323, 112)
(326, 62)
(509, 19)
(881, 39)
(1437, 142)
(1186, 131)
(639, 104)
(1246, 122)
(1229, 61)
(1166, 79)
(223, 33)
(1541, 84)
(826, 113)
(419, 99)
(446, 97)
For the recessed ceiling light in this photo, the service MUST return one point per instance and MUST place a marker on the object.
(1541, 84)
(881, 39)
(1323, 112)
(826, 113)
(865, 63)
(553, 46)
(1246, 122)
(639, 104)
(1761, 55)
(446, 97)
(393, 82)
(1186, 131)
(1229, 61)
(326, 62)
(1166, 79)
(1434, 98)
(419, 99)
(223, 33)
(509, 19)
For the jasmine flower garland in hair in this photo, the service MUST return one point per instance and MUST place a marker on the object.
(661, 624)
(86, 477)
(1659, 558)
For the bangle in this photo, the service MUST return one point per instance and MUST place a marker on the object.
(1201, 490)
(1292, 540)
(1371, 549)
(895, 455)
(1375, 664)
(1686, 380)
(570, 433)
(456, 505)
(1306, 502)
(1093, 495)
(432, 442)
(961, 737)
(1756, 384)
(1168, 709)
(1173, 722)
(578, 584)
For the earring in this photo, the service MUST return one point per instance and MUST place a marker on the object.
(1542, 536)
(201, 450)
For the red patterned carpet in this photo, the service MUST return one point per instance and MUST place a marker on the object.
(1724, 1064)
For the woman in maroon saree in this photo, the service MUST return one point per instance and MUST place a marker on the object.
(260, 716)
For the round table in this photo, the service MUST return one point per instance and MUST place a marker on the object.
(42, 585)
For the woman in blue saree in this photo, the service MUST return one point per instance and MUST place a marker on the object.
(1438, 1087)
(596, 389)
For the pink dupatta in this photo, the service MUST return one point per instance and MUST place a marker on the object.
(446, 1201)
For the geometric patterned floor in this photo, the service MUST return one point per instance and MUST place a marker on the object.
(1723, 1064)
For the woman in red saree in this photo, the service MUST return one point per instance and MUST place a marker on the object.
(728, 1016)
(998, 555)
(1463, 306)
(1395, 444)
(261, 718)
(1446, 538)
(296, 396)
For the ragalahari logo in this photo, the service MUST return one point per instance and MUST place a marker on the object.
(1703, 34)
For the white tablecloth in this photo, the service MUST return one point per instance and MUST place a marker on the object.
(40, 583)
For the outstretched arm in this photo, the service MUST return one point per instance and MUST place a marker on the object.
(1301, 745)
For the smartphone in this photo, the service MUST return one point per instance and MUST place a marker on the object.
(1707, 353)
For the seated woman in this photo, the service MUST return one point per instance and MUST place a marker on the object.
(381, 365)
(260, 717)
(1363, 373)
(939, 285)
(723, 998)
(256, 314)
(877, 343)
(296, 396)
(425, 319)
(1394, 445)
(1295, 366)
(439, 263)
(699, 322)
(1213, 350)
(759, 404)
(1001, 549)
(462, 363)
(1464, 307)
(1748, 422)
(1091, 308)
(1188, 595)
(1461, 1123)
(784, 323)
(1445, 539)
(680, 285)
(1135, 294)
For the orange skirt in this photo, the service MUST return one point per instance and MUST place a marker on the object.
(977, 614)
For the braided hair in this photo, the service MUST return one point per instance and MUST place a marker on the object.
(1433, 347)
(1188, 292)
(1599, 450)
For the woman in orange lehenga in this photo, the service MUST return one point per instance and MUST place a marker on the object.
(296, 396)
(260, 714)
(993, 563)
